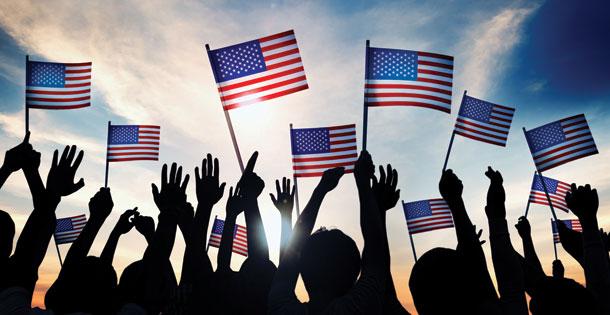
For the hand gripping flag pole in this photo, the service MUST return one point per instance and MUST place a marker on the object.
(546, 192)
(294, 177)
(452, 137)
(27, 109)
(107, 144)
(527, 208)
(554, 243)
(61, 264)
(410, 236)
(365, 115)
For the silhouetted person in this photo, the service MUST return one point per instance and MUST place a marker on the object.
(284, 203)
(560, 296)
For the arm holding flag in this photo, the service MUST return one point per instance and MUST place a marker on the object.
(571, 241)
(125, 223)
(525, 232)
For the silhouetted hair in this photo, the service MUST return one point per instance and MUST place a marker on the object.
(331, 260)
(7, 233)
(439, 284)
(86, 286)
(256, 278)
(558, 296)
(136, 286)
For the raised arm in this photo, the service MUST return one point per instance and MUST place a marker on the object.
(125, 223)
(509, 272)
(13, 159)
(571, 241)
(284, 203)
(251, 186)
(584, 203)
(235, 206)
(529, 252)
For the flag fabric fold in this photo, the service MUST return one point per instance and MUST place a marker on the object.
(396, 77)
(572, 224)
(560, 142)
(315, 150)
(427, 215)
(133, 143)
(240, 237)
(557, 192)
(52, 85)
(68, 229)
(258, 70)
(483, 121)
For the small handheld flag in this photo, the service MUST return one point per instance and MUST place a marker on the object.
(426, 215)
(68, 229)
(483, 121)
(557, 192)
(240, 237)
(51, 85)
(572, 224)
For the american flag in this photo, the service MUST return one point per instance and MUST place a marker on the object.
(427, 215)
(51, 85)
(560, 142)
(133, 143)
(315, 150)
(258, 70)
(557, 192)
(484, 121)
(396, 77)
(572, 224)
(240, 237)
(68, 229)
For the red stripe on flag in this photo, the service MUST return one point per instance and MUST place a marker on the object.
(480, 139)
(317, 174)
(439, 82)
(276, 36)
(78, 64)
(284, 63)
(261, 79)
(342, 127)
(320, 166)
(75, 85)
(407, 86)
(58, 92)
(133, 159)
(278, 45)
(405, 103)
(482, 127)
(282, 54)
(414, 95)
(343, 134)
(434, 64)
(266, 97)
(57, 100)
(78, 71)
(78, 78)
(59, 106)
(326, 158)
(132, 148)
(263, 88)
(436, 73)
(569, 160)
(433, 55)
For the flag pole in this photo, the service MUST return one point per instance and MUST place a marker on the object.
(294, 177)
(226, 112)
(452, 137)
(107, 142)
(527, 208)
(546, 192)
(208, 246)
(365, 115)
(555, 244)
(27, 109)
(61, 264)
(410, 236)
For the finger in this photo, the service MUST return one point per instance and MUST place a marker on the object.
(185, 182)
(230, 191)
(79, 158)
(155, 191)
(284, 187)
(197, 178)
(64, 154)
(390, 174)
(172, 173)
(273, 198)
(54, 162)
(222, 189)
(381, 175)
(293, 191)
(26, 139)
(251, 162)
(163, 176)
(288, 186)
(80, 184)
(394, 179)
(179, 175)
(277, 187)
(210, 170)
(375, 181)
(216, 169)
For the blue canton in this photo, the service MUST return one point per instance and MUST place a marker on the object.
(218, 226)
(551, 184)
(546, 136)
(123, 135)
(476, 109)
(392, 64)
(46, 74)
(238, 61)
(64, 225)
(310, 141)
(418, 209)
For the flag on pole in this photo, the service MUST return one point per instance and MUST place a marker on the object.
(258, 70)
(315, 150)
(572, 224)
(396, 77)
(557, 192)
(484, 121)
(240, 237)
(560, 142)
(68, 229)
(133, 143)
(51, 85)
(427, 215)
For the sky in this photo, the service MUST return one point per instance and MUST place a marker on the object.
(548, 60)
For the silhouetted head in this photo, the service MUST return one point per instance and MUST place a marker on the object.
(440, 285)
(149, 289)
(558, 296)
(329, 263)
(86, 286)
(7, 233)
(255, 280)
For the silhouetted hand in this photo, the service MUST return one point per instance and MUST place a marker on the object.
(145, 225)
(605, 239)
(100, 205)
(364, 169)
(13, 159)
(330, 178)
(60, 180)
(385, 189)
(523, 227)
(558, 270)
(186, 213)
(172, 194)
(209, 191)
(495, 195)
(481, 242)
(584, 203)
(285, 198)
(31, 160)
(251, 185)
(235, 203)
(126, 221)
(450, 186)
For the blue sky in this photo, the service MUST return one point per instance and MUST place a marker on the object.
(549, 60)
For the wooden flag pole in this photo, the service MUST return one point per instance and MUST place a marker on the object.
(61, 264)
(365, 115)
(555, 244)
(410, 236)
(527, 208)
(27, 109)
(452, 137)
(294, 177)
(546, 192)
(208, 246)
(227, 116)
(107, 142)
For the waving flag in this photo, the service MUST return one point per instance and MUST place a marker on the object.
(258, 70)
(315, 150)
(557, 192)
(397, 77)
(68, 229)
(572, 224)
(560, 142)
(133, 143)
(51, 85)
(427, 215)
(240, 237)
(484, 121)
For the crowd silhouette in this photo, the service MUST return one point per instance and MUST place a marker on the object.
(338, 278)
